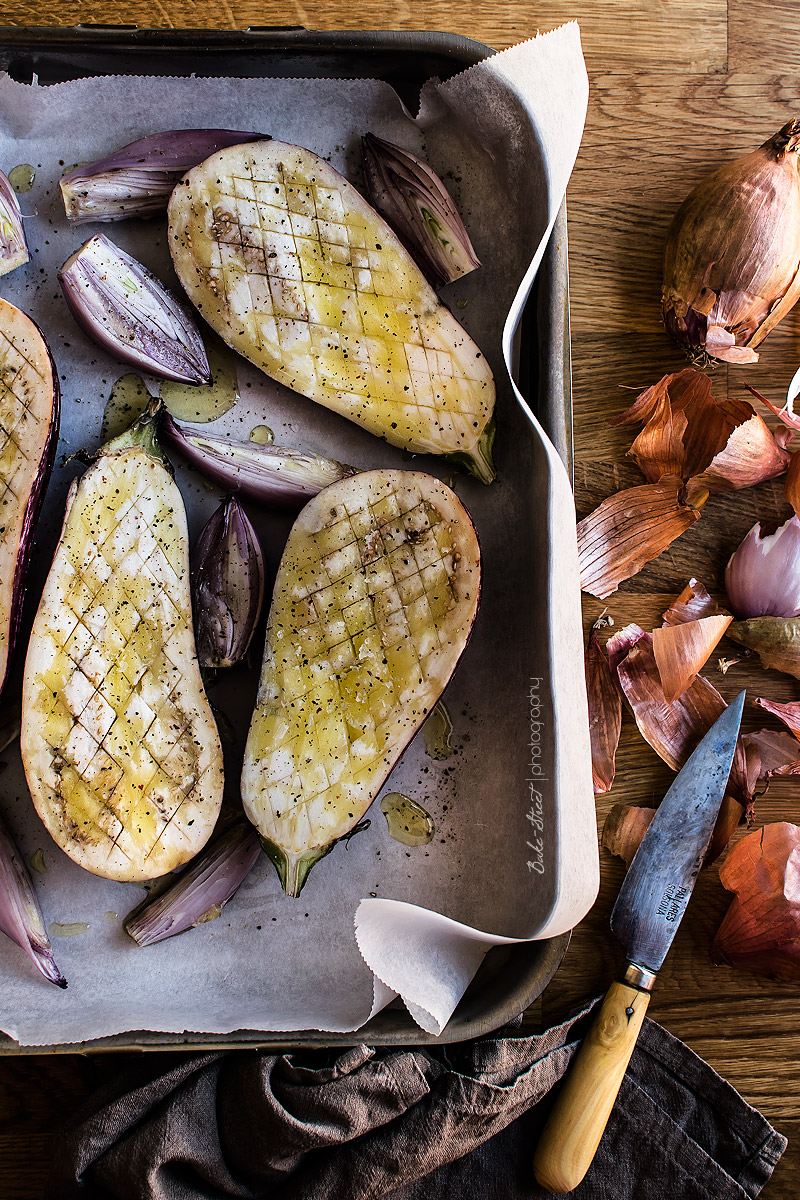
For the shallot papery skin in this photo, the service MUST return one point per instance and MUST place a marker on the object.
(674, 729)
(732, 259)
(760, 932)
(605, 714)
(722, 445)
(227, 586)
(762, 577)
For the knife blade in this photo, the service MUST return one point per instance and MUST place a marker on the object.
(648, 910)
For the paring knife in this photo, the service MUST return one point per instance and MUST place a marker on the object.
(648, 911)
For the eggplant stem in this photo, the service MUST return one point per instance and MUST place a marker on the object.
(292, 870)
(143, 433)
(479, 460)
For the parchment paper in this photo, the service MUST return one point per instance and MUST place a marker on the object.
(514, 854)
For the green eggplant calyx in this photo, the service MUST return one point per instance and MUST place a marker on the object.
(292, 870)
(478, 461)
(142, 434)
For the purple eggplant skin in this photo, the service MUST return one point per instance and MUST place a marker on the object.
(33, 506)
(137, 179)
(20, 916)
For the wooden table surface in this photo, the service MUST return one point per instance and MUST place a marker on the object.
(675, 89)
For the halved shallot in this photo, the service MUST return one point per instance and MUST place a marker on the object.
(20, 915)
(137, 180)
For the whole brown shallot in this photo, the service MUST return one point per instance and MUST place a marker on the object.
(732, 259)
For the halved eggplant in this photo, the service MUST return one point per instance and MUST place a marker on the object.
(295, 270)
(373, 605)
(120, 748)
(29, 418)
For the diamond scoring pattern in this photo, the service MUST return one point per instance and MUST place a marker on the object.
(317, 302)
(120, 731)
(359, 619)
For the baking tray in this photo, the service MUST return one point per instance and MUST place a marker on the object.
(511, 977)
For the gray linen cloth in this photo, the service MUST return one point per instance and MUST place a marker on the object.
(410, 1124)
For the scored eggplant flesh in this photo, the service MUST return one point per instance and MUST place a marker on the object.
(29, 418)
(373, 605)
(295, 270)
(120, 748)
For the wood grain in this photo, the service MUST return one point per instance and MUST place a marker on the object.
(676, 88)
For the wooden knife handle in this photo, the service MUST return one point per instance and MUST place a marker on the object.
(581, 1111)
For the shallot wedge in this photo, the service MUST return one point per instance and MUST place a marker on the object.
(136, 180)
(722, 445)
(13, 246)
(276, 476)
(118, 742)
(760, 932)
(201, 891)
(20, 915)
(373, 606)
(29, 417)
(292, 267)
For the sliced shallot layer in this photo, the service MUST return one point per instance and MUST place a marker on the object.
(605, 714)
(630, 529)
(762, 577)
(760, 932)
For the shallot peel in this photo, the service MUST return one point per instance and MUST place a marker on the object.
(732, 259)
(605, 714)
(760, 932)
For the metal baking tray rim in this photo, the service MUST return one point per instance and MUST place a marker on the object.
(511, 977)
